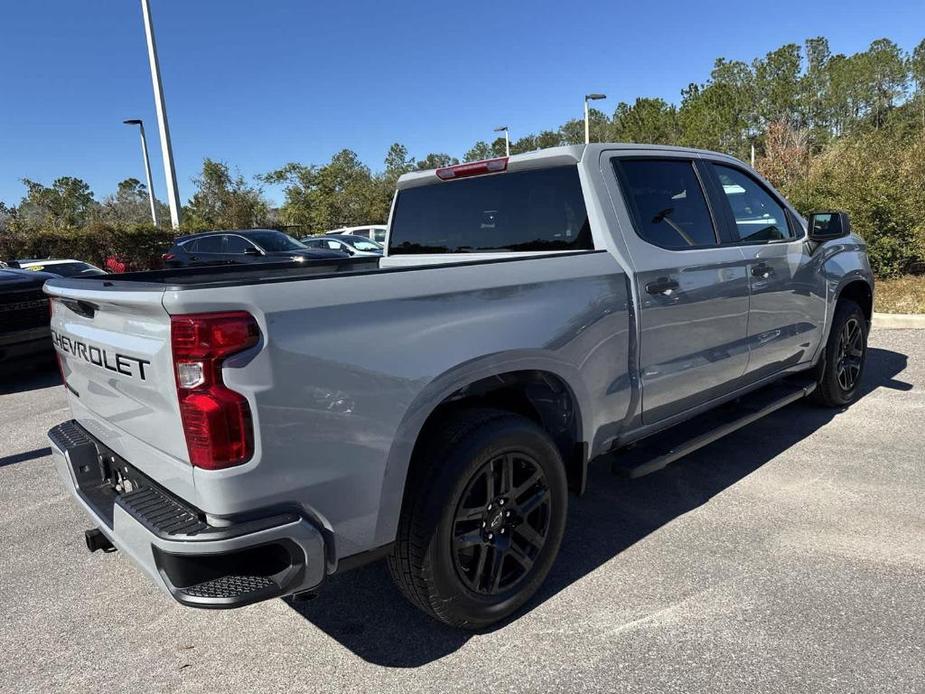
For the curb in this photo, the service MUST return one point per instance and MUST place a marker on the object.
(898, 321)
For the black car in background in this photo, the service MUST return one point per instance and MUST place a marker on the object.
(241, 246)
(24, 318)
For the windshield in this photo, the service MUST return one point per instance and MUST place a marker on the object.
(363, 245)
(275, 241)
(538, 210)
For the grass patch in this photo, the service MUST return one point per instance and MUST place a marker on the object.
(901, 295)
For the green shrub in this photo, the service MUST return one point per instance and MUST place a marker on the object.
(138, 248)
(878, 178)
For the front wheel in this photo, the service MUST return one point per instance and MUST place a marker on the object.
(839, 373)
(483, 519)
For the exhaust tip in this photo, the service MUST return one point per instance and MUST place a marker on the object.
(96, 540)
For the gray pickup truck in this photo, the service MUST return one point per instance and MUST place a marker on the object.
(242, 433)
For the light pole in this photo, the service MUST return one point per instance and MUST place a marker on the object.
(144, 153)
(173, 195)
(507, 140)
(590, 97)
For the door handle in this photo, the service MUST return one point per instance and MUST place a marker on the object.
(663, 285)
(762, 271)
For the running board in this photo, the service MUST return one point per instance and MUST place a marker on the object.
(663, 448)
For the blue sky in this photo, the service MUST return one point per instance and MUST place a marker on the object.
(258, 84)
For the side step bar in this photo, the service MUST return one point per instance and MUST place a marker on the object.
(666, 447)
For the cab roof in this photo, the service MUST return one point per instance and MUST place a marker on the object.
(557, 156)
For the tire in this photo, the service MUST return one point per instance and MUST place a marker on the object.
(842, 365)
(483, 518)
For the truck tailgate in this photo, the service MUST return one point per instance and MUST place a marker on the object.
(114, 349)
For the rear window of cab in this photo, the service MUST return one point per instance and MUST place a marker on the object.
(537, 210)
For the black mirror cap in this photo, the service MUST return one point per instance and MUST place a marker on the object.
(824, 226)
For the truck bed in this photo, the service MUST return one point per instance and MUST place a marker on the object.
(217, 276)
(224, 275)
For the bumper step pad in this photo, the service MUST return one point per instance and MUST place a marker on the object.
(232, 587)
(161, 514)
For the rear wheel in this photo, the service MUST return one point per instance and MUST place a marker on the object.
(839, 373)
(483, 519)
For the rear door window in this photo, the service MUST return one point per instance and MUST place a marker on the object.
(209, 244)
(541, 210)
(667, 202)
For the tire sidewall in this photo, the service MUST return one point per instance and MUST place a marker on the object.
(507, 435)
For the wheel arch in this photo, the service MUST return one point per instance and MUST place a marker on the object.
(536, 387)
(860, 292)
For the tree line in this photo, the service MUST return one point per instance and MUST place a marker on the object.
(829, 130)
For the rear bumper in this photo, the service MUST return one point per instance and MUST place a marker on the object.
(264, 556)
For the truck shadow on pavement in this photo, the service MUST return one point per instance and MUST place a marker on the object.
(363, 611)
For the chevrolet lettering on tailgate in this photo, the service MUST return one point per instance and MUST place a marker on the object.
(99, 356)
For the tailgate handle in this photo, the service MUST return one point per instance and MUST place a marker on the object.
(87, 309)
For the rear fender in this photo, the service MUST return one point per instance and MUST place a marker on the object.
(437, 392)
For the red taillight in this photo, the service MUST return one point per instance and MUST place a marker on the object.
(475, 168)
(216, 420)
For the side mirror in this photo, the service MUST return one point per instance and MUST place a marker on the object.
(824, 226)
(252, 251)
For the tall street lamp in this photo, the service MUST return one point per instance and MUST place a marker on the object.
(507, 140)
(144, 153)
(590, 97)
(173, 195)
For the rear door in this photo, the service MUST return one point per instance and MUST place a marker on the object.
(693, 292)
(788, 291)
(210, 250)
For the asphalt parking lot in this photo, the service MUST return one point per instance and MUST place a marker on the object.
(789, 556)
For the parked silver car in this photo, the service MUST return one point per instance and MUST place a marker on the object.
(373, 232)
(351, 245)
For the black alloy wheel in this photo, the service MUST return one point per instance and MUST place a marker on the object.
(850, 354)
(501, 523)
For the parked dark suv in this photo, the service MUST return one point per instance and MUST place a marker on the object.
(241, 246)
(24, 318)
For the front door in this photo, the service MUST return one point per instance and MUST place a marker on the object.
(693, 292)
(787, 288)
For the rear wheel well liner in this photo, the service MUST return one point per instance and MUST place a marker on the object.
(541, 396)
